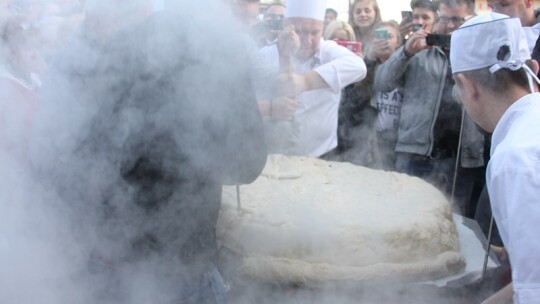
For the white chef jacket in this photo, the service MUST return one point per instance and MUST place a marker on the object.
(513, 181)
(317, 115)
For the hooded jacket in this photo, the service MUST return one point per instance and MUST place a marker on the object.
(422, 77)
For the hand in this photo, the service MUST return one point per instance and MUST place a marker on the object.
(290, 84)
(379, 48)
(501, 252)
(288, 41)
(504, 295)
(283, 108)
(405, 28)
(416, 42)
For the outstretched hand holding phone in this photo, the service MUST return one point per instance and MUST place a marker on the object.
(416, 43)
(407, 24)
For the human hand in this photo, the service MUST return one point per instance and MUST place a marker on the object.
(405, 28)
(288, 41)
(290, 84)
(416, 42)
(501, 252)
(379, 48)
(283, 108)
(504, 295)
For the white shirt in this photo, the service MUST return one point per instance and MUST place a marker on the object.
(513, 180)
(317, 115)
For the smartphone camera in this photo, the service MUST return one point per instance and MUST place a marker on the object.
(353, 46)
(438, 40)
(416, 27)
(381, 34)
(406, 16)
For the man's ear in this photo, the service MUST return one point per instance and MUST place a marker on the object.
(468, 90)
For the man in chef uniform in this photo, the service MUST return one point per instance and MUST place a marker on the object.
(497, 83)
(313, 73)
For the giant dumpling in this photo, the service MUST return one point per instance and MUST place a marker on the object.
(307, 220)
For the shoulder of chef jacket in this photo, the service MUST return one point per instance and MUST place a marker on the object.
(339, 67)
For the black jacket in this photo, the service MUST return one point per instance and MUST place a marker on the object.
(168, 117)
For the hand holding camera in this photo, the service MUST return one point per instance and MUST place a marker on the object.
(440, 40)
(416, 42)
(405, 27)
(379, 48)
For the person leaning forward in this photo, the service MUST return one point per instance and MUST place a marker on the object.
(314, 72)
(430, 122)
(497, 83)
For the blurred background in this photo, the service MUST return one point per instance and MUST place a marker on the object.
(390, 9)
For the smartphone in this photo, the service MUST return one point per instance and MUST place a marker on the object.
(353, 46)
(438, 40)
(381, 34)
(416, 27)
(406, 16)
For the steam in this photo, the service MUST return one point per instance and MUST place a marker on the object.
(69, 210)
(128, 97)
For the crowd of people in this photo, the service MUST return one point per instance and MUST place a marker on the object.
(372, 92)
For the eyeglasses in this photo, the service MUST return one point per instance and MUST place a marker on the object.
(455, 19)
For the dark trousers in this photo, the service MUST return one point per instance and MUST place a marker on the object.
(113, 285)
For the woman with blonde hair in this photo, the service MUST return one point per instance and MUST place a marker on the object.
(363, 15)
(339, 30)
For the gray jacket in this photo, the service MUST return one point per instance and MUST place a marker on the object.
(422, 77)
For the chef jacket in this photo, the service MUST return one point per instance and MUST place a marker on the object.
(513, 180)
(315, 120)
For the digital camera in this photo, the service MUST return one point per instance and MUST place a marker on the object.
(438, 40)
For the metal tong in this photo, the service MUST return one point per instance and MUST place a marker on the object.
(238, 201)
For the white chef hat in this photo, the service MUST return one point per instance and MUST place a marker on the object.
(489, 40)
(314, 9)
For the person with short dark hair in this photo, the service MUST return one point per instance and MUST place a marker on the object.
(330, 16)
(497, 84)
(272, 23)
(431, 124)
(530, 20)
(424, 15)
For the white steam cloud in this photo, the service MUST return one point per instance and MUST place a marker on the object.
(112, 194)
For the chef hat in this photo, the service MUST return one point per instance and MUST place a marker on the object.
(314, 9)
(489, 40)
